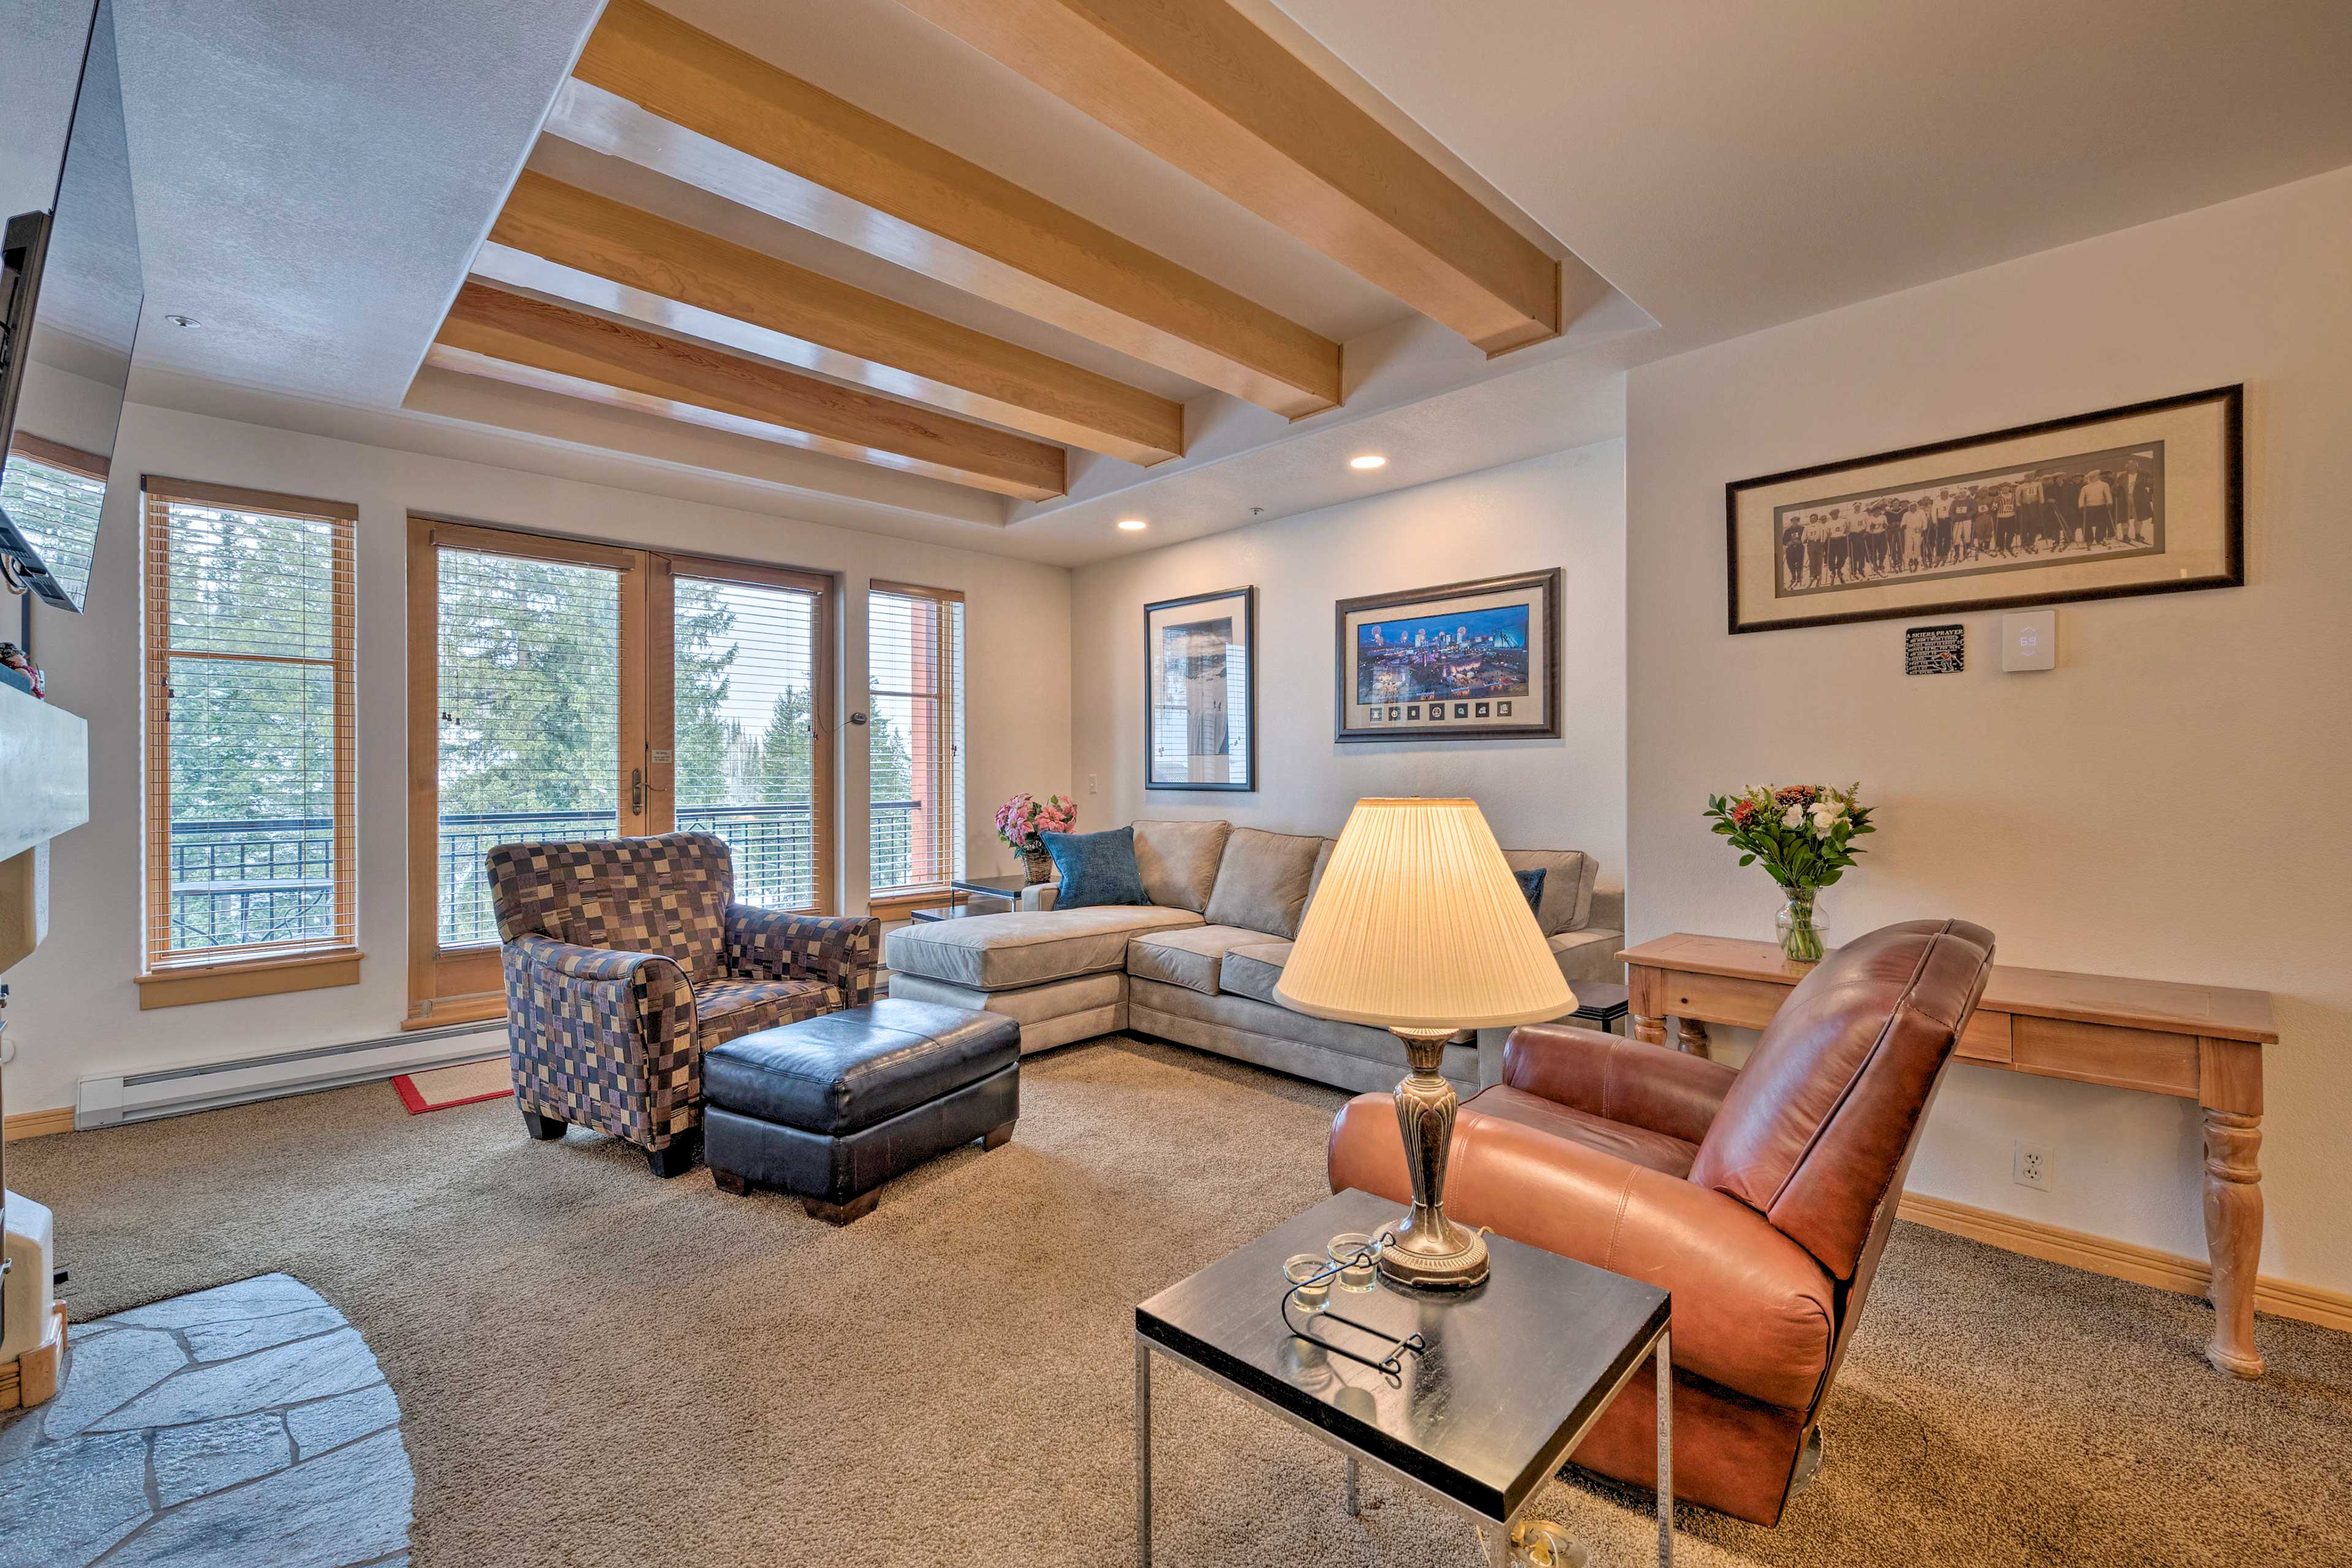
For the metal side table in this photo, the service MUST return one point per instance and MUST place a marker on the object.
(1515, 1374)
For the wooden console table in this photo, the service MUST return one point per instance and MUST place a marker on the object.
(2195, 1042)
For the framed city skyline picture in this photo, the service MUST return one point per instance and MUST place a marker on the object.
(1200, 691)
(1463, 661)
(2146, 499)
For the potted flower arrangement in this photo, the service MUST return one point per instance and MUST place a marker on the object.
(1022, 818)
(1803, 835)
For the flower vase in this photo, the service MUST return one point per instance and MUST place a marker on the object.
(1799, 929)
(1036, 863)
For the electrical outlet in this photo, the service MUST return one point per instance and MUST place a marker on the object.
(2030, 1165)
(1093, 783)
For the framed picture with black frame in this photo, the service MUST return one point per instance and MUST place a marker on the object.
(1460, 661)
(1200, 691)
(2144, 498)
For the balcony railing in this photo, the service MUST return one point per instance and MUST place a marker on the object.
(238, 881)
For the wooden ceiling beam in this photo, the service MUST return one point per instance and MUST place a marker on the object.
(861, 180)
(550, 345)
(1201, 85)
(831, 326)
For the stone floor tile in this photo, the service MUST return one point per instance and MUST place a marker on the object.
(348, 1507)
(331, 1423)
(65, 1503)
(104, 1371)
(256, 1297)
(218, 1342)
(191, 1461)
(284, 1374)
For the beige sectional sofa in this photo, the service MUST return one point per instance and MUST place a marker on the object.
(1198, 962)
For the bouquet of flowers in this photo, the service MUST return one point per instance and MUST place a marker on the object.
(1803, 835)
(1022, 818)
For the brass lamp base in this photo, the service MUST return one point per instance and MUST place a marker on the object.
(1429, 1252)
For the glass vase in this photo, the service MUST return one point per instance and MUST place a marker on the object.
(1801, 928)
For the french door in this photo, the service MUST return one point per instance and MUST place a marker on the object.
(563, 689)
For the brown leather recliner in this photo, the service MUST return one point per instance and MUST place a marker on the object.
(1761, 1198)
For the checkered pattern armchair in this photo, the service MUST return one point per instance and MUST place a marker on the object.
(627, 958)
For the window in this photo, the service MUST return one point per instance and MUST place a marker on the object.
(53, 495)
(560, 689)
(250, 825)
(751, 748)
(914, 771)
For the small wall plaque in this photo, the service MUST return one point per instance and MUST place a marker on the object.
(1933, 651)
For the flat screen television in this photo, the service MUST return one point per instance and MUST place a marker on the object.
(70, 293)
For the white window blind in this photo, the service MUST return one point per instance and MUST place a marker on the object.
(915, 763)
(250, 738)
(744, 727)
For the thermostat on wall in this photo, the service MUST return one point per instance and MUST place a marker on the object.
(2030, 641)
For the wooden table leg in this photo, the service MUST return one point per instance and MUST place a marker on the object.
(2230, 1087)
(1645, 995)
(1694, 1038)
(2233, 1235)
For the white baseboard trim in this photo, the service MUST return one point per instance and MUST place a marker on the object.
(176, 1091)
(2119, 1259)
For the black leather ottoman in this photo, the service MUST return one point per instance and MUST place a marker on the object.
(830, 1108)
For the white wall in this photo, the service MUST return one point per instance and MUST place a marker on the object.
(2168, 803)
(74, 1011)
(1565, 509)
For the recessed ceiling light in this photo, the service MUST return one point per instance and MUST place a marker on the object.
(1132, 525)
(183, 321)
(1368, 460)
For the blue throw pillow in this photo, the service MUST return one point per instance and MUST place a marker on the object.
(1095, 867)
(1531, 884)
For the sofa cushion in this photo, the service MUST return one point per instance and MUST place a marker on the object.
(1252, 971)
(1568, 885)
(1189, 957)
(1589, 955)
(728, 1009)
(1179, 861)
(1531, 882)
(1096, 869)
(1262, 880)
(997, 953)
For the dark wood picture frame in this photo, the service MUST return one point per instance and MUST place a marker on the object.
(1551, 583)
(1248, 595)
(2232, 575)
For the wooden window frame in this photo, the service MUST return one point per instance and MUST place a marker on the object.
(899, 898)
(57, 455)
(259, 970)
(466, 985)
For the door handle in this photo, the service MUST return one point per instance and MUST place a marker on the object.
(637, 792)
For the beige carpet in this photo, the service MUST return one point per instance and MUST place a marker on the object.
(597, 1367)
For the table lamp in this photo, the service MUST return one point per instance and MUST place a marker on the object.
(1419, 927)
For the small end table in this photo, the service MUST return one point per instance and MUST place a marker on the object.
(1601, 1003)
(1516, 1373)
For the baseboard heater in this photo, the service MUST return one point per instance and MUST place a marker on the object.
(175, 1091)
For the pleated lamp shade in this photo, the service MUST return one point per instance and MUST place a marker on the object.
(1419, 925)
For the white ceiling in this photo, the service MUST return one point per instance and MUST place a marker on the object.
(314, 178)
(1736, 164)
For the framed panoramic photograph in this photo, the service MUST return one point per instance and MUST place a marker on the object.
(1464, 661)
(2142, 499)
(1200, 691)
